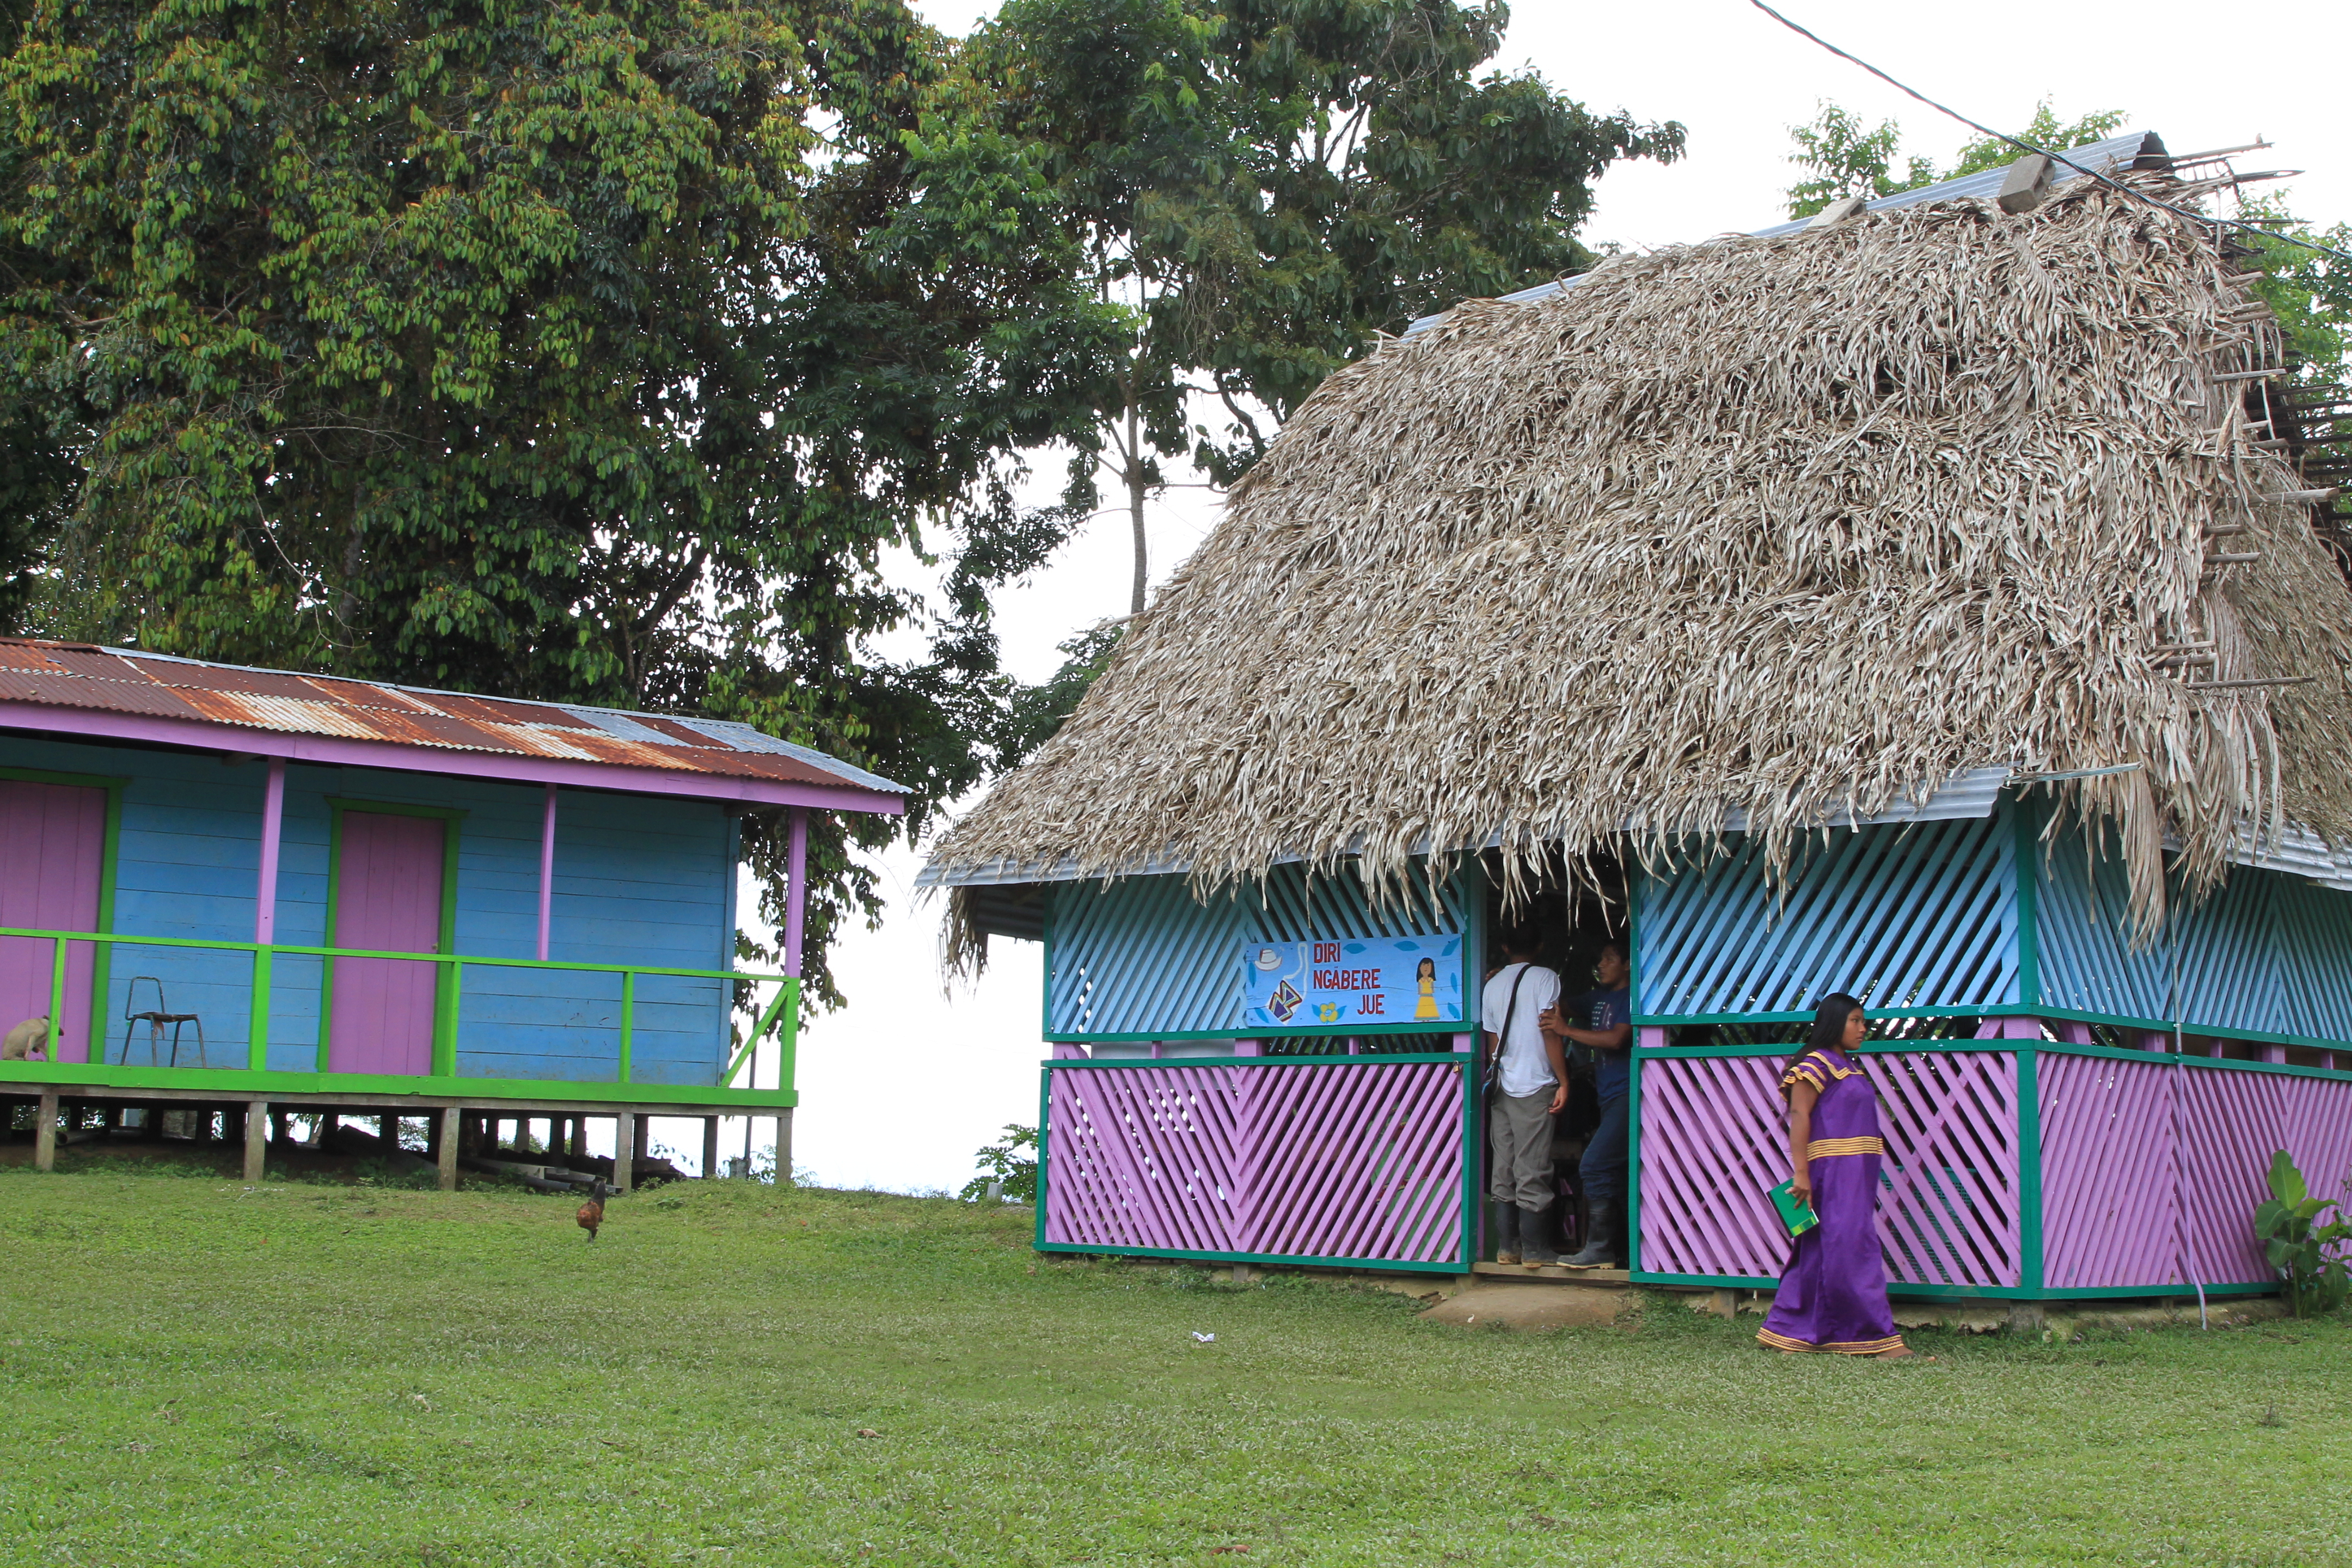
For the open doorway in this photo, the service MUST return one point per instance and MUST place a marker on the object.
(1573, 913)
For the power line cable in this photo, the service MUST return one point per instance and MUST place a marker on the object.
(2098, 175)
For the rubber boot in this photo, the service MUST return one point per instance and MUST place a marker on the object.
(1535, 1250)
(1601, 1250)
(1506, 1232)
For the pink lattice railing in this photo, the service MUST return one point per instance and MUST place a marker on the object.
(2150, 1170)
(2147, 1165)
(2110, 1173)
(1356, 1161)
(1712, 1143)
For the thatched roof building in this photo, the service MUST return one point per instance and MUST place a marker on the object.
(1766, 532)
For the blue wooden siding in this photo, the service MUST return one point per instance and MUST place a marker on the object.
(2268, 951)
(637, 880)
(1141, 958)
(1920, 916)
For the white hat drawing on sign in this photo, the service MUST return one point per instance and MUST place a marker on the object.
(1269, 959)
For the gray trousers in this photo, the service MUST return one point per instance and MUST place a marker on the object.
(1518, 1128)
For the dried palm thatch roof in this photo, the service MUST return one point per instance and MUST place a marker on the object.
(1767, 525)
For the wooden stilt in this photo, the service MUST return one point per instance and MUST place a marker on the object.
(256, 1138)
(623, 1136)
(446, 1155)
(784, 1148)
(44, 1132)
(579, 1143)
(641, 1137)
(710, 1147)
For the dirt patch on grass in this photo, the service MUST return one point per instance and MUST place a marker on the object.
(1534, 1307)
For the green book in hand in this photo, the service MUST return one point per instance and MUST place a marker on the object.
(1798, 1216)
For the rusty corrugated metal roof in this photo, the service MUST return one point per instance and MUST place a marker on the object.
(119, 681)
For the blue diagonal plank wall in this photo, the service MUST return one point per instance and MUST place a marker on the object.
(1139, 957)
(2268, 951)
(1920, 916)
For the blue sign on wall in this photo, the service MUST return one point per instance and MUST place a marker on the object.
(1354, 980)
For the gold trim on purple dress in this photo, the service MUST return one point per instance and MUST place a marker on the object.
(1832, 1295)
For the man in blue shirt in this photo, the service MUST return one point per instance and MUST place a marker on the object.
(1604, 1020)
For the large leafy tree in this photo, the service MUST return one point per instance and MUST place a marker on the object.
(1267, 185)
(596, 352)
(1847, 159)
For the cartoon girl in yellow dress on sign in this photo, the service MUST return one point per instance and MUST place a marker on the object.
(1426, 975)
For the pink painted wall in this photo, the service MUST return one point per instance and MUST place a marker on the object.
(52, 849)
(388, 898)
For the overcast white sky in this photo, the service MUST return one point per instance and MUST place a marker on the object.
(900, 1088)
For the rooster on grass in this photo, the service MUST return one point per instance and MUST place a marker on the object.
(592, 1213)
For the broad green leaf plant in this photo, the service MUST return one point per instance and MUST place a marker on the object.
(2308, 1252)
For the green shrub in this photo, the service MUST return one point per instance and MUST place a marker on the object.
(2300, 1247)
(1006, 1163)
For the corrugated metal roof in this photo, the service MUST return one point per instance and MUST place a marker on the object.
(124, 681)
(2133, 149)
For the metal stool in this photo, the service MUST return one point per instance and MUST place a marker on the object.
(155, 1019)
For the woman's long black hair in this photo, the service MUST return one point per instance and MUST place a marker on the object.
(1828, 1033)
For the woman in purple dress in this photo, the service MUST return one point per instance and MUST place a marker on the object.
(1832, 1296)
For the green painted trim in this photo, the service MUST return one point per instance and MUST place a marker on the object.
(102, 967)
(2009, 1010)
(257, 1011)
(1733, 1281)
(2188, 1292)
(1470, 1078)
(1473, 944)
(448, 996)
(1964, 1292)
(1458, 1057)
(1386, 1263)
(759, 1032)
(628, 1027)
(2209, 1031)
(1805, 1016)
(448, 991)
(283, 949)
(76, 781)
(57, 950)
(788, 1041)
(2060, 1047)
(240, 1083)
(1633, 1159)
(1318, 1031)
(1044, 1132)
(2281, 1069)
(2028, 1166)
(2023, 840)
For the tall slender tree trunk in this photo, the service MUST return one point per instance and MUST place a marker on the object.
(1135, 511)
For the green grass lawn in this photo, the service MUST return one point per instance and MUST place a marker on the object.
(200, 1372)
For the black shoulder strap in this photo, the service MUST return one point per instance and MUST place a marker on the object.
(1502, 1035)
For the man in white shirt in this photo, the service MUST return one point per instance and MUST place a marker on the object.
(1529, 1085)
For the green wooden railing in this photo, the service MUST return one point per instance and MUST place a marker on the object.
(781, 1017)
